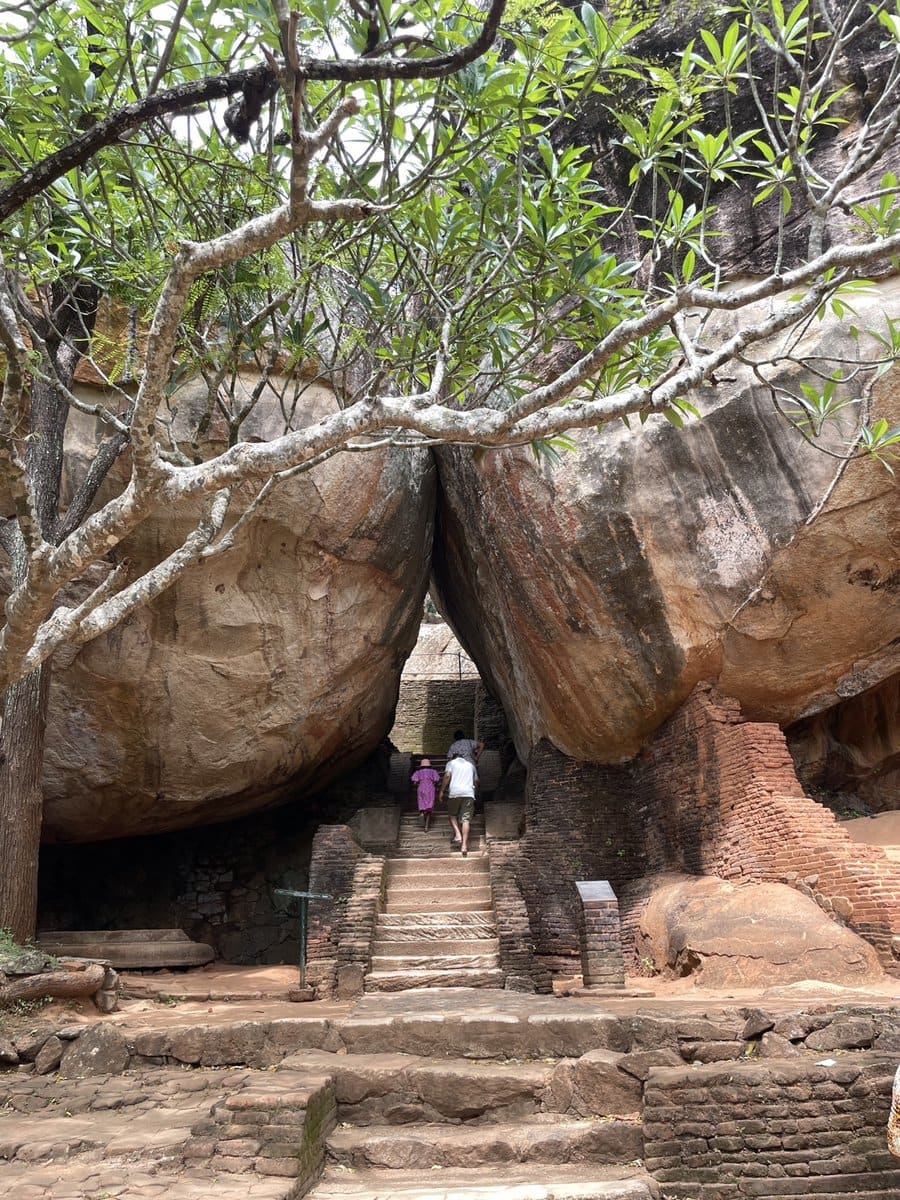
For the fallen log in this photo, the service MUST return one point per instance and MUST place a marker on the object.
(62, 984)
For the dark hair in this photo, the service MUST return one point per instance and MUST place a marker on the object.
(457, 734)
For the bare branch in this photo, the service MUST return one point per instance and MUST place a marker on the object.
(259, 80)
(13, 420)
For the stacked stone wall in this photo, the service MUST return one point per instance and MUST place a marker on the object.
(268, 1132)
(771, 1130)
(429, 711)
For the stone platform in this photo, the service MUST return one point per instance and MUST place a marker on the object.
(454, 1094)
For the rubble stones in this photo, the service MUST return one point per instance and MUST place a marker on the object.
(49, 1056)
(101, 1050)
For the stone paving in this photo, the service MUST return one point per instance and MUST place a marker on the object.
(112, 1136)
(472, 1096)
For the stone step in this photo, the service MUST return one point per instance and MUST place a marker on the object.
(457, 884)
(439, 820)
(543, 1139)
(476, 851)
(398, 1089)
(443, 924)
(445, 862)
(440, 828)
(429, 946)
(435, 960)
(462, 877)
(450, 900)
(424, 977)
(439, 825)
(441, 846)
(482, 1183)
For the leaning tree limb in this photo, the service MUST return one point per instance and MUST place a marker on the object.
(57, 985)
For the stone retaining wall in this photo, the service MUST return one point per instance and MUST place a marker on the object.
(274, 1130)
(727, 802)
(428, 712)
(771, 1130)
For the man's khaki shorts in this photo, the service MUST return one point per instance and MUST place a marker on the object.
(461, 807)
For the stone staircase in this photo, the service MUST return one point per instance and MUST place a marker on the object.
(438, 927)
(423, 1128)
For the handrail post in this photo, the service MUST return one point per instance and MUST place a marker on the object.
(304, 898)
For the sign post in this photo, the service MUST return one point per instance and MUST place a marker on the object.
(304, 898)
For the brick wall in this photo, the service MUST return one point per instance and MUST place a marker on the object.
(711, 794)
(602, 961)
(771, 1130)
(341, 929)
(582, 821)
(428, 712)
(727, 802)
(521, 971)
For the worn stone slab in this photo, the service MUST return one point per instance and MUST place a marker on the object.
(399, 946)
(450, 900)
(429, 1145)
(430, 866)
(421, 923)
(434, 976)
(438, 960)
(556, 1183)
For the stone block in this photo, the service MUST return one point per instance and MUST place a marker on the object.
(849, 1033)
(641, 1062)
(601, 1088)
(757, 1022)
(235, 1166)
(378, 826)
(101, 1050)
(289, 1168)
(49, 1056)
(773, 1045)
(350, 980)
(502, 821)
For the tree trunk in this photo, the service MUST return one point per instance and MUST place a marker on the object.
(67, 331)
(22, 801)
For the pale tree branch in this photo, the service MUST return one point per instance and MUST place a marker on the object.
(106, 607)
(14, 421)
(197, 258)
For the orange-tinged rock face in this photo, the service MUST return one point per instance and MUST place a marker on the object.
(594, 595)
(755, 935)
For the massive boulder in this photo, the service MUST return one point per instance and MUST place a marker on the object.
(852, 751)
(596, 593)
(755, 935)
(265, 672)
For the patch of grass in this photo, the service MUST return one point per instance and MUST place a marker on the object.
(9, 947)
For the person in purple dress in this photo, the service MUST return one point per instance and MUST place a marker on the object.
(426, 779)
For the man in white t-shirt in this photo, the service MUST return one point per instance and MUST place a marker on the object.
(460, 780)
